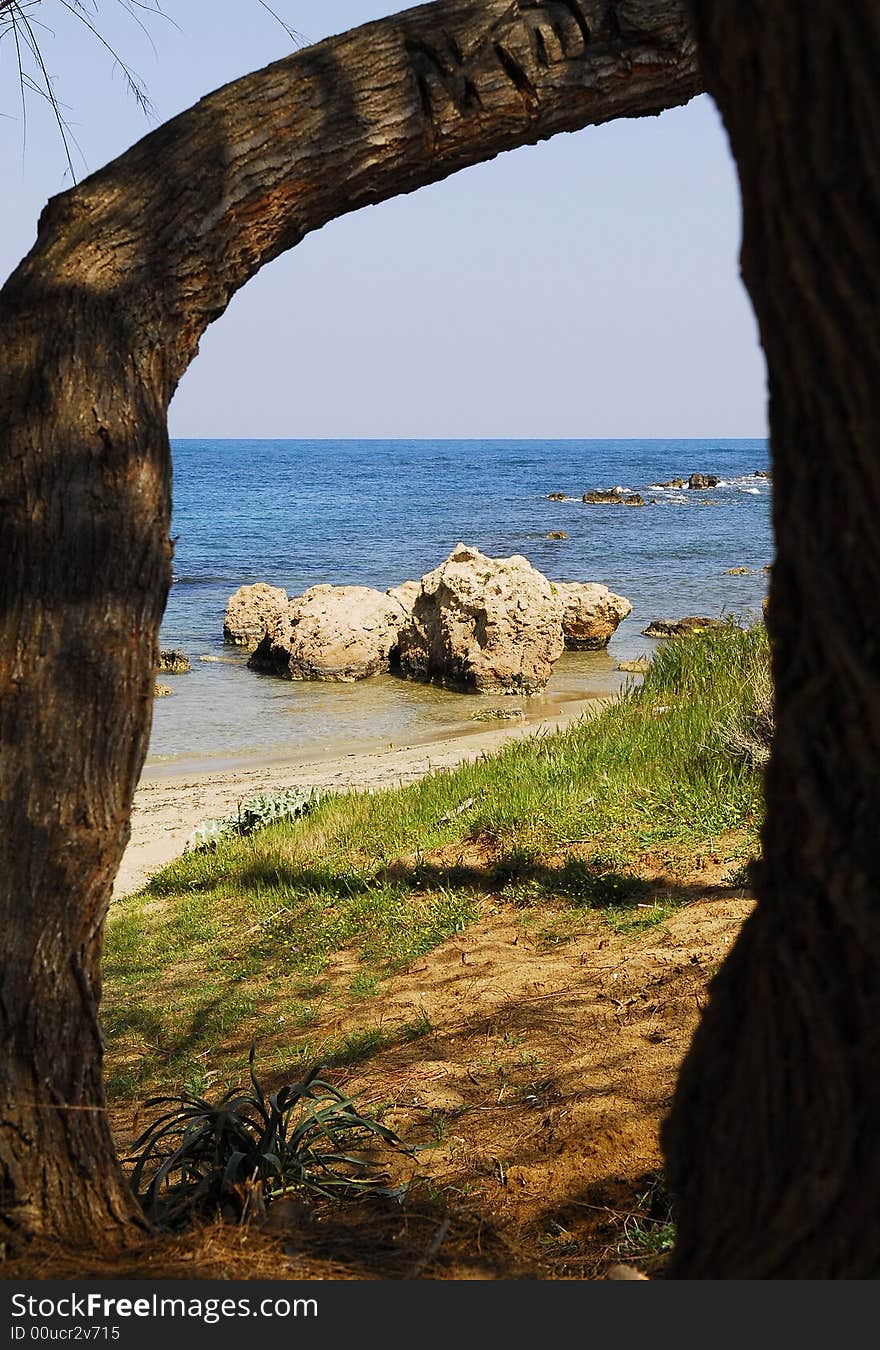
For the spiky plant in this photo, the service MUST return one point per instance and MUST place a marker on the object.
(307, 1137)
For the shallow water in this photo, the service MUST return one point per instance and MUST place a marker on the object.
(295, 513)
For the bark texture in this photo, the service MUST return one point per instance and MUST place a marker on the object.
(98, 324)
(772, 1142)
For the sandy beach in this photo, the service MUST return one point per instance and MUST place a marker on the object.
(167, 808)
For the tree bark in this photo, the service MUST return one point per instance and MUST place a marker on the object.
(99, 323)
(772, 1141)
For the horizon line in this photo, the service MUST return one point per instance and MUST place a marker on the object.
(526, 440)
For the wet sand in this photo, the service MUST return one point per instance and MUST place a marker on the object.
(168, 807)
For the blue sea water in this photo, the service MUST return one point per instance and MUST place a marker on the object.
(295, 513)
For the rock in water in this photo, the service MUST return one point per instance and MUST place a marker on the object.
(702, 480)
(172, 661)
(590, 614)
(496, 714)
(612, 497)
(250, 611)
(603, 497)
(161, 691)
(671, 628)
(341, 633)
(483, 625)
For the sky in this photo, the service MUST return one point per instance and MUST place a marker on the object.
(585, 287)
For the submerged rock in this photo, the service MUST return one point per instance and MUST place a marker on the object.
(172, 661)
(737, 571)
(497, 714)
(590, 614)
(250, 611)
(483, 625)
(161, 691)
(340, 633)
(557, 534)
(672, 628)
(640, 666)
(557, 497)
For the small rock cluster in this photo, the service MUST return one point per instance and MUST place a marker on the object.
(475, 624)
(614, 496)
(170, 661)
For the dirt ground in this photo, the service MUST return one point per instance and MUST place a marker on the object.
(533, 1095)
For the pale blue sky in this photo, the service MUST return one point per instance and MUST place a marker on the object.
(585, 287)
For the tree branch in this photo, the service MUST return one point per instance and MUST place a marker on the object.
(180, 221)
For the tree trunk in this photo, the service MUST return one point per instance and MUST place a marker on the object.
(99, 323)
(772, 1142)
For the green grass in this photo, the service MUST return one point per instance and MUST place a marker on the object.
(648, 1235)
(261, 936)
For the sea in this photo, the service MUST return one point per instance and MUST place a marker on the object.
(294, 513)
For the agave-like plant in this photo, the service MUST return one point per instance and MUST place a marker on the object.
(199, 1154)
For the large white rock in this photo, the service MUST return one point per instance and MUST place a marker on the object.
(342, 633)
(483, 625)
(250, 611)
(590, 615)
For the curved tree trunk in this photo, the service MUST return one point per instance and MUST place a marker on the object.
(98, 324)
(772, 1143)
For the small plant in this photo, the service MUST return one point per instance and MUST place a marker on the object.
(200, 1154)
(364, 985)
(418, 1027)
(589, 885)
(517, 864)
(266, 808)
(649, 1232)
(646, 1239)
(747, 734)
(559, 1240)
(359, 1045)
(628, 919)
(740, 877)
